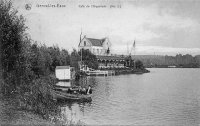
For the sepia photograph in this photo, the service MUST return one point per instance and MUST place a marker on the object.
(100, 62)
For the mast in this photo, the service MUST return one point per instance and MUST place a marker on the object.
(81, 56)
(81, 48)
(134, 53)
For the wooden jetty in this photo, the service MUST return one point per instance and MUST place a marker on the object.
(100, 73)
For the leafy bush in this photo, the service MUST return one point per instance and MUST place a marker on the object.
(139, 64)
(88, 58)
(40, 99)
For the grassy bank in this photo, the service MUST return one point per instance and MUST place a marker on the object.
(11, 115)
(38, 98)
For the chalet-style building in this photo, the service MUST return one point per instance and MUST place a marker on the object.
(101, 48)
(96, 46)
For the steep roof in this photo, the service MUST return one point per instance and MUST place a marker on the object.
(96, 42)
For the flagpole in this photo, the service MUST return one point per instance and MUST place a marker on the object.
(81, 55)
(134, 54)
(81, 48)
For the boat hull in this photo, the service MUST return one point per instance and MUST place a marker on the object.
(60, 95)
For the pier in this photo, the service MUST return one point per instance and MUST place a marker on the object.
(100, 73)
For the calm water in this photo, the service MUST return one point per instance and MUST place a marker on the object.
(162, 97)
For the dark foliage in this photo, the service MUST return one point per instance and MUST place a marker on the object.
(25, 67)
(139, 64)
(88, 58)
(75, 58)
(12, 49)
(164, 61)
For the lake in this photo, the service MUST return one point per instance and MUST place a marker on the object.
(165, 96)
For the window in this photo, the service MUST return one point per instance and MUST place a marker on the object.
(84, 43)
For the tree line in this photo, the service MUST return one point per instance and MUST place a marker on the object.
(179, 60)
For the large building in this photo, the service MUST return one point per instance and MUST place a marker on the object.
(101, 48)
(96, 46)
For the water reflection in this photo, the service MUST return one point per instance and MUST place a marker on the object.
(74, 112)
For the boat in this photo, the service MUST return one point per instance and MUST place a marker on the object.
(61, 88)
(64, 96)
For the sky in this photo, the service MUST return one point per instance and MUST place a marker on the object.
(159, 27)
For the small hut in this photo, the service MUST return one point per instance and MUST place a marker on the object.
(63, 73)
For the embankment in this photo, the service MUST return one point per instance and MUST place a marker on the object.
(131, 71)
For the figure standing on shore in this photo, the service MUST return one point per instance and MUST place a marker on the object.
(89, 90)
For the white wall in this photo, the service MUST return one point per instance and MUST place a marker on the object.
(107, 45)
(79, 48)
(86, 41)
(95, 49)
(63, 74)
(87, 46)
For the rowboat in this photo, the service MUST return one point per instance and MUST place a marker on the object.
(61, 95)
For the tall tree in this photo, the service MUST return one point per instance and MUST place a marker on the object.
(12, 41)
(65, 57)
(74, 60)
(88, 58)
(139, 64)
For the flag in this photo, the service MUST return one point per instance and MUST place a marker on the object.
(80, 35)
(134, 44)
(134, 47)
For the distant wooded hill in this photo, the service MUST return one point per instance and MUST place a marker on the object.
(187, 61)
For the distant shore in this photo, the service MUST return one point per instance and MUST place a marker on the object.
(171, 67)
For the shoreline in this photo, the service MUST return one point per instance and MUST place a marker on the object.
(116, 72)
(132, 71)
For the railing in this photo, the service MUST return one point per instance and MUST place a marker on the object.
(110, 73)
(98, 72)
(105, 73)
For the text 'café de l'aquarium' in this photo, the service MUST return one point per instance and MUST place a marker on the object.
(101, 48)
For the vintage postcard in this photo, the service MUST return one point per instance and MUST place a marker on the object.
(100, 62)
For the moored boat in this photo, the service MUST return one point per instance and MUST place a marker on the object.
(61, 95)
